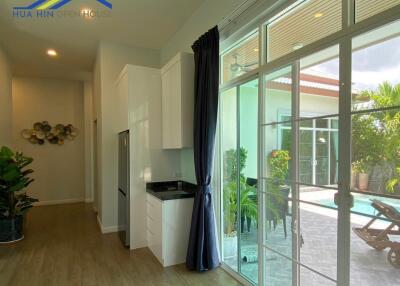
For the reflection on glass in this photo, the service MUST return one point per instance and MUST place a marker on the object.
(248, 121)
(229, 176)
(242, 58)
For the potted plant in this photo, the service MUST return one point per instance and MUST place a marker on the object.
(354, 173)
(277, 189)
(14, 202)
(361, 168)
(248, 201)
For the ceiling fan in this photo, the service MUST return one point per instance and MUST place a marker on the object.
(238, 68)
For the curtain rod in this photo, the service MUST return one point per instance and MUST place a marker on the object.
(227, 20)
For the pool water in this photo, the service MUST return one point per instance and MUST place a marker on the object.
(362, 204)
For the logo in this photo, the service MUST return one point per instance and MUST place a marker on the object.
(50, 8)
(55, 4)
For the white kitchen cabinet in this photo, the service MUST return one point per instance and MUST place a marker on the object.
(168, 228)
(178, 102)
(138, 109)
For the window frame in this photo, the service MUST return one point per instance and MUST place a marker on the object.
(343, 38)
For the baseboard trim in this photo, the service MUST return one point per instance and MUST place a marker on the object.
(107, 229)
(58, 202)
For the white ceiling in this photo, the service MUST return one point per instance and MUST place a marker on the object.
(137, 23)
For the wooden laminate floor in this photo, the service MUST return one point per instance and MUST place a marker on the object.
(64, 246)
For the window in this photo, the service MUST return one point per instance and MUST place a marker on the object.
(242, 58)
(367, 8)
(303, 25)
(328, 147)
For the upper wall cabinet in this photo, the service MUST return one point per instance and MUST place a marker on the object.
(178, 102)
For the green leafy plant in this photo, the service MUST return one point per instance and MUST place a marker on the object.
(14, 178)
(279, 165)
(361, 167)
(231, 163)
(248, 203)
(376, 136)
(278, 162)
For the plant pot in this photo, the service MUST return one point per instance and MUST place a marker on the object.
(363, 181)
(11, 229)
(353, 180)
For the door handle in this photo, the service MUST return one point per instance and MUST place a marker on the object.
(350, 199)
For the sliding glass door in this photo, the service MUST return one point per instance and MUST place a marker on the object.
(375, 157)
(309, 147)
(299, 154)
(238, 130)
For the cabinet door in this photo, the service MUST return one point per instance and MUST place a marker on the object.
(177, 215)
(154, 227)
(171, 107)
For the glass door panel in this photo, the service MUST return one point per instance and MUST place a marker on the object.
(300, 217)
(375, 186)
(306, 156)
(248, 129)
(239, 128)
(228, 119)
(322, 157)
(276, 186)
(318, 215)
(318, 225)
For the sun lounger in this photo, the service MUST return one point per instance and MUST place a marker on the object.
(379, 238)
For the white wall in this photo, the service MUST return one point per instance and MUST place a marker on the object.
(209, 14)
(110, 61)
(88, 133)
(59, 170)
(5, 101)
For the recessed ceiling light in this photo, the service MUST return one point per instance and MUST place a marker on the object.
(51, 52)
(256, 50)
(318, 15)
(298, 46)
(87, 13)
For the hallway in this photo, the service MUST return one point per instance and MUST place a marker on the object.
(64, 246)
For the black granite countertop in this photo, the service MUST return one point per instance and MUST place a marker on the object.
(171, 190)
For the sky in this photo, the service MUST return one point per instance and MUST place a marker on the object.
(371, 65)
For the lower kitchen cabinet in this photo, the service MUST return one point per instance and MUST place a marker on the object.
(168, 228)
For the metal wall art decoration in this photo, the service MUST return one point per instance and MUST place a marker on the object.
(43, 131)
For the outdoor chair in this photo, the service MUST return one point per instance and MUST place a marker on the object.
(378, 238)
(282, 208)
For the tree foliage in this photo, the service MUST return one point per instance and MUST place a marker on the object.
(376, 135)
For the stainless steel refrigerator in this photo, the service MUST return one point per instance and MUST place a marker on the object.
(123, 187)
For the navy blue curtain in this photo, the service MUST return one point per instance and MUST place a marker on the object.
(202, 252)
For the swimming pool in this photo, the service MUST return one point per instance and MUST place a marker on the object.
(362, 204)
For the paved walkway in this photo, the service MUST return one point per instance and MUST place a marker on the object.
(369, 267)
